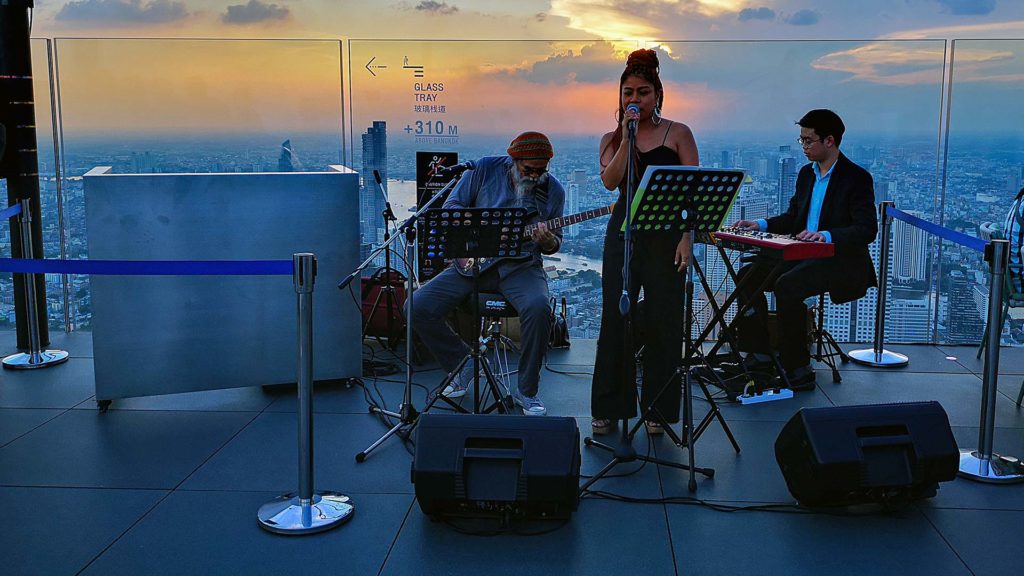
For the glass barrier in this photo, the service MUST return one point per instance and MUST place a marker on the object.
(42, 71)
(740, 98)
(186, 106)
(984, 172)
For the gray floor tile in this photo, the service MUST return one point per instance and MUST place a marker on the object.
(1011, 360)
(710, 542)
(579, 353)
(117, 449)
(60, 386)
(217, 533)
(17, 421)
(989, 542)
(602, 538)
(964, 493)
(60, 530)
(76, 344)
(961, 397)
(251, 399)
(923, 358)
(264, 457)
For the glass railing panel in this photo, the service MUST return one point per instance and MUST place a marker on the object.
(742, 100)
(472, 98)
(984, 172)
(44, 107)
(187, 106)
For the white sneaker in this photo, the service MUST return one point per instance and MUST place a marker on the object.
(532, 406)
(460, 384)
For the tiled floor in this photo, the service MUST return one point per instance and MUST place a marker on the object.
(171, 485)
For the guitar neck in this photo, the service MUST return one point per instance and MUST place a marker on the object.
(563, 221)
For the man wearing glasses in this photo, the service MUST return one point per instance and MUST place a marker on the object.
(518, 180)
(834, 202)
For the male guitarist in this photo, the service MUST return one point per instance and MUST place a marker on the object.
(834, 202)
(518, 180)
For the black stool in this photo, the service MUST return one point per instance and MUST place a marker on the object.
(825, 347)
(490, 341)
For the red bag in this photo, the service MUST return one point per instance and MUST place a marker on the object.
(376, 304)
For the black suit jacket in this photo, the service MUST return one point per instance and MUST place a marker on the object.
(849, 215)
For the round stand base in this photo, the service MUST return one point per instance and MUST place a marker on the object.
(997, 470)
(45, 358)
(289, 515)
(886, 359)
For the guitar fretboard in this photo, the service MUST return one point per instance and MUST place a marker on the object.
(563, 221)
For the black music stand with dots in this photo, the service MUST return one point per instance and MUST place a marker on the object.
(475, 234)
(670, 200)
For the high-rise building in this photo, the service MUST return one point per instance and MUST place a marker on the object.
(787, 181)
(573, 192)
(909, 251)
(726, 159)
(963, 324)
(371, 201)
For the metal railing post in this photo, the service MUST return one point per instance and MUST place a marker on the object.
(305, 512)
(35, 357)
(982, 464)
(878, 356)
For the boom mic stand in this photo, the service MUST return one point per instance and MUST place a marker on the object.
(407, 414)
(387, 291)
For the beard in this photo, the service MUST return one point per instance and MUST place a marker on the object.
(525, 184)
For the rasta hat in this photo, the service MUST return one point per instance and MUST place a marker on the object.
(531, 146)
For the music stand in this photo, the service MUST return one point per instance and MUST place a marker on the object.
(475, 234)
(674, 199)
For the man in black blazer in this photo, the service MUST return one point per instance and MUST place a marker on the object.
(834, 202)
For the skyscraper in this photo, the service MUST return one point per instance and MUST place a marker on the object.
(371, 201)
(963, 325)
(787, 181)
(909, 251)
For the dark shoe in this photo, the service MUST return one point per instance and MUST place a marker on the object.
(653, 428)
(801, 379)
(748, 365)
(602, 426)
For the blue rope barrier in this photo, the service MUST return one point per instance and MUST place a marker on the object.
(11, 212)
(945, 233)
(150, 267)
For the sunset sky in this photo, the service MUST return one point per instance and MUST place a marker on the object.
(554, 62)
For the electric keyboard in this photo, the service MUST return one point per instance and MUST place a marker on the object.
(779, 246)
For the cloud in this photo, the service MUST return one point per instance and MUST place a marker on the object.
(804, 18)
(440, 8)
(762, 13)
(968, 7)
(592, 64)
(114, 11)
(255, 11)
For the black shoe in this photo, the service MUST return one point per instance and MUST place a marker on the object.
(801, 379)
(748, 365)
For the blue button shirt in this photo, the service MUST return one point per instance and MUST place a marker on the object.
(817, 200)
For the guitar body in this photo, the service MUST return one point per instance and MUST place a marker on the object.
(464, 266)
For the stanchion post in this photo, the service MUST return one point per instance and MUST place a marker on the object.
(982, 464)
(305, 512)
(878, 356)
(35, 357)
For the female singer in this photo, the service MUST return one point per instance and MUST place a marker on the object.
(657, 264)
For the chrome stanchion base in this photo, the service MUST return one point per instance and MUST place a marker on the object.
(997, 470)
(289, 515)
(24, 361)
(886, 359)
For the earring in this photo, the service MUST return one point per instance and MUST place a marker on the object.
(656, 116)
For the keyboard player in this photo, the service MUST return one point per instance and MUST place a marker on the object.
(833, 202)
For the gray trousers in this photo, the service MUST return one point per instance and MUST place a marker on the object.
(525, 287)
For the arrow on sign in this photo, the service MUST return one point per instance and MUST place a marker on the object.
(370, 66)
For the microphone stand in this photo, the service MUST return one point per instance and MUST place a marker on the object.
(624, 452)
(407, 414)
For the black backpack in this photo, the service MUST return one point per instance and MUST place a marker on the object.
(559, 336)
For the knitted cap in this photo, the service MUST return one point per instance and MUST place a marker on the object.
(531, 146)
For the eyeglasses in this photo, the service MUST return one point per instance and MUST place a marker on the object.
(531, 171)
(807, 142)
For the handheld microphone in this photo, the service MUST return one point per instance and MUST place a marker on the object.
(456, 169)
(634, 108)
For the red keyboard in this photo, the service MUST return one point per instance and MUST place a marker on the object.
(777, 245)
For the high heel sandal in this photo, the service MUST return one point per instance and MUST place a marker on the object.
(602, 426)
(653, 427)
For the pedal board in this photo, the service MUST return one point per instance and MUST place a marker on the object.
(769, 395)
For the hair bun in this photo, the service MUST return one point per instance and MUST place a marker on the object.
(643, 57)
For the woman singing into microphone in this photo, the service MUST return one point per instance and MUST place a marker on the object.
(658, 260)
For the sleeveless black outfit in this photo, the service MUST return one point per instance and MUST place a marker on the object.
(613, 392)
